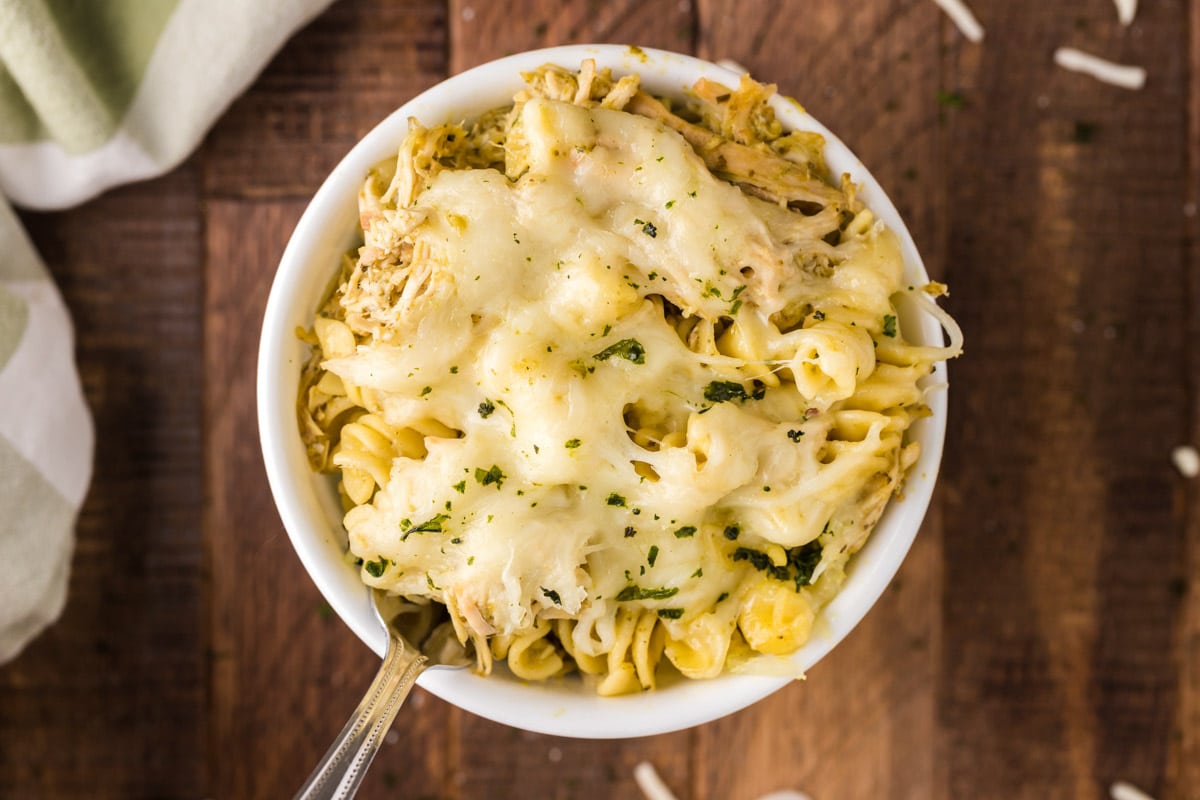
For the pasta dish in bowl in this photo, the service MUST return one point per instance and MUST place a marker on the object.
(618, 373)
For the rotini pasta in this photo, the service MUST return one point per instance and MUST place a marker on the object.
(619, 382)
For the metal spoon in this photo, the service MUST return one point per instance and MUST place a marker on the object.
(344, 765)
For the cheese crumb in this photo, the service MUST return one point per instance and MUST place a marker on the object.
(962, 17)
(1126, 11)
(1187, 461)
(1121, 75)
(650, 783)
(1127, 791)
(652, 786)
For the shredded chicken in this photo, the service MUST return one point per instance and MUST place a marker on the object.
(759, 172)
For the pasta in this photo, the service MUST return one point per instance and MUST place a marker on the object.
(618, 381)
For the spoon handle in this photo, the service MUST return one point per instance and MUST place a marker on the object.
(344, 765)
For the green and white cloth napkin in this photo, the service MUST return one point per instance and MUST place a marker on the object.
(93, 93)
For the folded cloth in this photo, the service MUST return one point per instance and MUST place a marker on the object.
(92, 94)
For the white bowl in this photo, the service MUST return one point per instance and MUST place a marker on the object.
(308, 503)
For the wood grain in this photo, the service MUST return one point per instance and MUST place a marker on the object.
(1043, 637)
(1068, 264)
(110, 701)
(482, 31)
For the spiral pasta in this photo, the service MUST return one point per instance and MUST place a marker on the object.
(621, 384)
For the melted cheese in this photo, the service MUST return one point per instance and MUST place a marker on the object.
(613, 386)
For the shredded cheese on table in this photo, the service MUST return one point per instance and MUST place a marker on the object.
(1186, 460)
(653, 787)
(1124, 76)
(962, 17)
(1127, 791)
(1126, 11)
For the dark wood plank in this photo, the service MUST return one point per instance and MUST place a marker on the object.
(482, 31)
(285, 673)
(109, 702)
(333, 82)
(1183, 773)
(864, 722)
(1066, 256)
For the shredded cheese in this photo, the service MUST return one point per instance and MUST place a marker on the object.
(650, 783)
(653, 788)
(1126, 11)
(1127, 791)
(1187, 461)
(1121, 75)
(962, 17)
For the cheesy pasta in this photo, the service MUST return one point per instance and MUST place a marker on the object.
(616, 380)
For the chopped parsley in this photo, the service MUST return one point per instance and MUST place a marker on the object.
(819, 315)
(686, 532)
(628, 349)
(376, 568)
(722, 596)
(635, 592)
(486, 408)
(571, 444)
(950, 99)
(699, 573)
(670, 204)
(454, 370)
(553, 595)
(615, 499)
(652, 556)
(670, 613)
(582, 368)
(801, 562)
(732, 532)
(795, 434)
(433, 525)
(630, 531)
(460, 487)
(889, 325)
(647, 228)
(493, 475)
(724, 391)
(426, 390)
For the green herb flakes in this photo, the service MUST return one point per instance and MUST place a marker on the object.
(686, 532)
(889, 325)
(433, 525)
(571, 444)
(376, 568)
(615, 499)
(486, 408)
(628, 349)
(652, 556)
(635, 592)
(724, 391)
(552, 595)
(492, 475)
(670, 613)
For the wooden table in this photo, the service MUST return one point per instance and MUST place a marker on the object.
(1041, 641)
